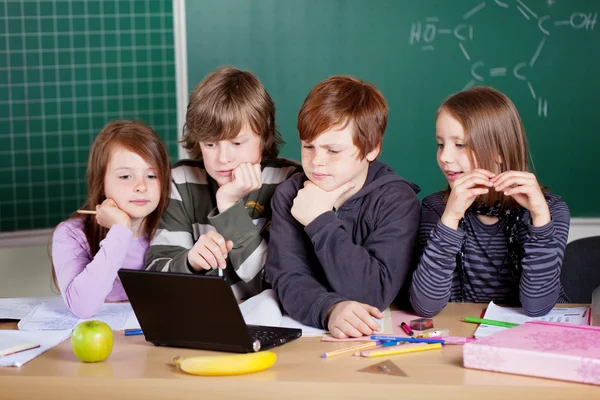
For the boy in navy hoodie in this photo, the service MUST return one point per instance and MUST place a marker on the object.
(342, 232)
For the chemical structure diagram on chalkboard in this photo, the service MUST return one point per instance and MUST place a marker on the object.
(424, 34)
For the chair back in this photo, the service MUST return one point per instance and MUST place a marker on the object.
(580, 273)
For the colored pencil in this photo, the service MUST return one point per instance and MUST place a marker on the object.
(491, 322)
(406, 339)
(351, 349)
(401, 350)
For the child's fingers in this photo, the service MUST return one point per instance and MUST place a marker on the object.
(360, 325)
(473, 181)
(197, 262)
(513, 174)
(211, 257)
(217, 253)
(366, 315)
(375, 312)
(337, 333)
(258, 173)
(518, 190)
(512, 181)
(219, 240)
(471, 175)
(475, 172)
(348, 329)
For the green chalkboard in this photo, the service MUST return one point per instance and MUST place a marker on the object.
(544, 54)
(66, 69)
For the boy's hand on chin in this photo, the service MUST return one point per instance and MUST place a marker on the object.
(312, 201)
(245, 179)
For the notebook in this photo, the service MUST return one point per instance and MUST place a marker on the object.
(195, 311)
(9, 345)
(567, 315)
(540, 348)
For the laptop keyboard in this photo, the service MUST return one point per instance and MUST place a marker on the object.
(265, 336)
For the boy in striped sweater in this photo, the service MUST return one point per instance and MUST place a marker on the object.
(219, 212)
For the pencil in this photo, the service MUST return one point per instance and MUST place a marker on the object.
(351, 349)
(491, 322)
(406, 339)
(86, 212)
(132, 332)
(401, 350)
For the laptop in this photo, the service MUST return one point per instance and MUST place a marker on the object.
(197, 312)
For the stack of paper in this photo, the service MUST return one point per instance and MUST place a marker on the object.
(575, 315)
(17, 308)
(46, 340)
(56, 316)
(10, 345)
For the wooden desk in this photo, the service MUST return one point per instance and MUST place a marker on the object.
(137, 369)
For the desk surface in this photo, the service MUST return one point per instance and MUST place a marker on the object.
(137, 369)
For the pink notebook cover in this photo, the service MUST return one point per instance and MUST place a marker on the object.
(544, 349)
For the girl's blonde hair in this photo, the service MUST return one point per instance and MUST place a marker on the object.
(494, 134)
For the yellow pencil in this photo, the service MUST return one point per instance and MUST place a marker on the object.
(86, 212)
(401, 350)
(363, 346)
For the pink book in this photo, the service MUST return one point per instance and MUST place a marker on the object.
(538, 348)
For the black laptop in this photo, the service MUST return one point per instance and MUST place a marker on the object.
(195, 311)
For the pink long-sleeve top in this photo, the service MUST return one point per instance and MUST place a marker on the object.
(86, 282)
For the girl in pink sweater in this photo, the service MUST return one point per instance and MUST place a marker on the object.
(128, 189)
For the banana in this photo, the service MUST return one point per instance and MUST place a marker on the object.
(226, 365)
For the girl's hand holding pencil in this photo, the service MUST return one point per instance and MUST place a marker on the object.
(109, 214)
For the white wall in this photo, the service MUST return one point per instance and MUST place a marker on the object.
(25, 272)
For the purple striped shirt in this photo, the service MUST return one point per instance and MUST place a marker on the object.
(488, 274)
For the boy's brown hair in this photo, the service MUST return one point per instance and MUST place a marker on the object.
(493, 132)
(222, 103)
(342, 100)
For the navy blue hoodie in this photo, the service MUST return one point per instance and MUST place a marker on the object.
(360, 252)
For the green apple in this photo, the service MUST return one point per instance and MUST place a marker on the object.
(92, 341)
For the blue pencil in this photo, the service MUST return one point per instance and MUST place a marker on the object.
(133, 332)
(407, 339)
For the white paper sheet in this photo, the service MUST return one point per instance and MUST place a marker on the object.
(17, 308)
(46, 340)
(56, 316)
(263, 309)
(573, 315)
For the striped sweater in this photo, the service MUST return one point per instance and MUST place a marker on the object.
(192, 211)
(488, 274)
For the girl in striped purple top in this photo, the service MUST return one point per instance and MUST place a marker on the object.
(494, 233)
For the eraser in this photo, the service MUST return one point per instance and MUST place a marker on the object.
(421, 324)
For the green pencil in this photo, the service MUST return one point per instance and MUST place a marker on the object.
(490, 322)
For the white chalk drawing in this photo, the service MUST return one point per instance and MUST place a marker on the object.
(424, 33)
